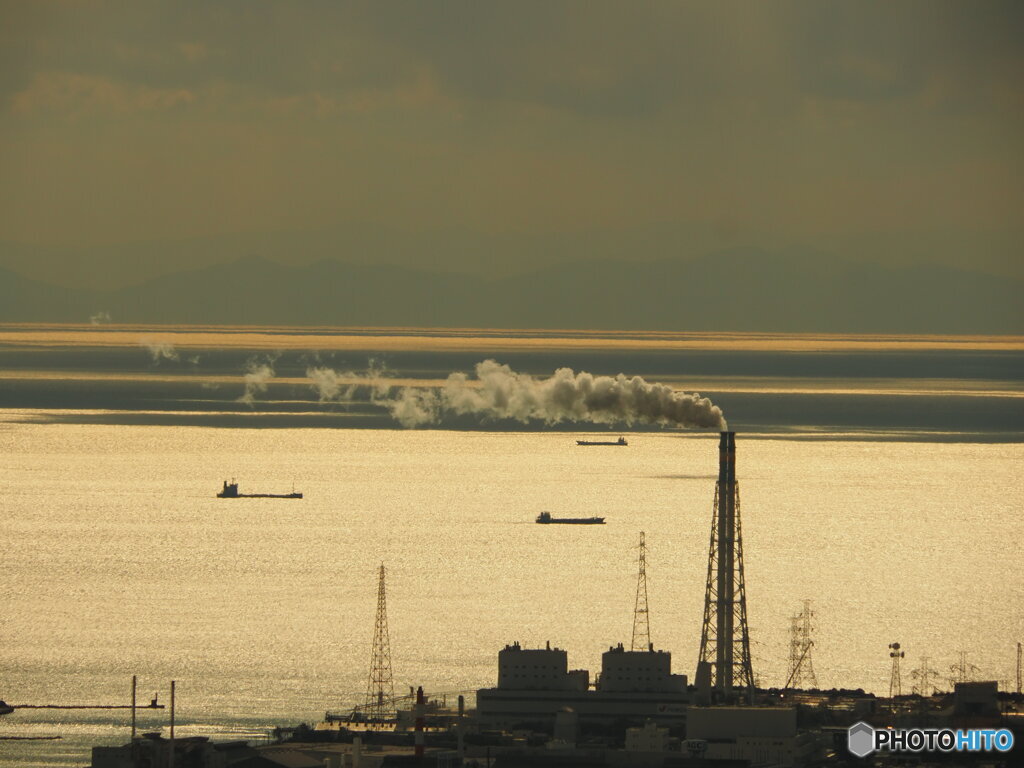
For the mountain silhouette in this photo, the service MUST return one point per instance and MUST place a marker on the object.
(738, 290)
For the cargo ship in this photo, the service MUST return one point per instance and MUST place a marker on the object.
(546, 518)
(620, 441)
(230, 491)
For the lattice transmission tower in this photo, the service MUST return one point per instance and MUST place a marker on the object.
(924, 678)
(801, 665)
(380, 690)
(725, 637)
(962, 671)
(641, 616)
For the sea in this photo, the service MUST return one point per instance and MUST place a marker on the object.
(879, 479)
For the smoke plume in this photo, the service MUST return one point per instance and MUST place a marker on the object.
(498, 392)
(256, 379)
(332, 385)
(159, 351)
(345, 386)
(99, 318)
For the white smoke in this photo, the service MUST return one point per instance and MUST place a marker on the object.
(256, 379)
(416, 407)
(330, 384)
(345, 386)
(500, 393)
(160, 351)
(99, 318)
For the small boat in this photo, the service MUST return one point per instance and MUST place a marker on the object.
(620, 441)
(546, 518)
(230, 491)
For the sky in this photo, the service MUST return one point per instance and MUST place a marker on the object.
(498, 137)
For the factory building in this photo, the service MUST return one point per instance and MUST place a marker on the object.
(761, 735)
(534, 685)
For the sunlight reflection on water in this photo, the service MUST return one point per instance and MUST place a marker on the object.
(120, 561)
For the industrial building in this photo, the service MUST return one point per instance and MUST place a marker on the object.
(535, 684)
(761, 735)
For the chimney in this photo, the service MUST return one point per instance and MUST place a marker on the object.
(725, 638)
(726, 583)
(727, 457)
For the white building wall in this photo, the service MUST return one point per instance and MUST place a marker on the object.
(623, 670)
(542, 669)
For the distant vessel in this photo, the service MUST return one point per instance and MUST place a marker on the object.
(620, 441)
(545, 517)
(230, 491)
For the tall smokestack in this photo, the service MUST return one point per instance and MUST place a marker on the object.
(727, 457)
(725, 602)
(726, 559)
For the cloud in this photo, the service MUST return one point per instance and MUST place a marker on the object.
(78, 94)
(799, 122)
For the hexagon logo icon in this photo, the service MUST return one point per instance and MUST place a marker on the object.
(860, 739)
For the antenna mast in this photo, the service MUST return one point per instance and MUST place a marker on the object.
(380, 690)
(641, 617)
(895, 654)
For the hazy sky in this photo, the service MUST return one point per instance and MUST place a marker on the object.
(883, 130)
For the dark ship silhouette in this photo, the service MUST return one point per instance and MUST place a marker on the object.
(230, 491)
(546, 518)
(620, 441)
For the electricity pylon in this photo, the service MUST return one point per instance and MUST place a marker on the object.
(801, 667)
(923, 676)
(962, 671)
(380, 690)
(641, 617)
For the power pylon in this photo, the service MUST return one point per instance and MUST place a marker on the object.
(962, 671)
(801, 667)
(895, 686)
(723, 644)
(380, 690)
(923, 676)
(641, 617)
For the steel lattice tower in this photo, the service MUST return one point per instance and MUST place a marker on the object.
(641, 617)
(380, 690)
(725, 637)
(895, 684)
(962, 672)
(923, 675)
(801, 667)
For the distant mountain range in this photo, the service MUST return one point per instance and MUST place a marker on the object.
(742, 290)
